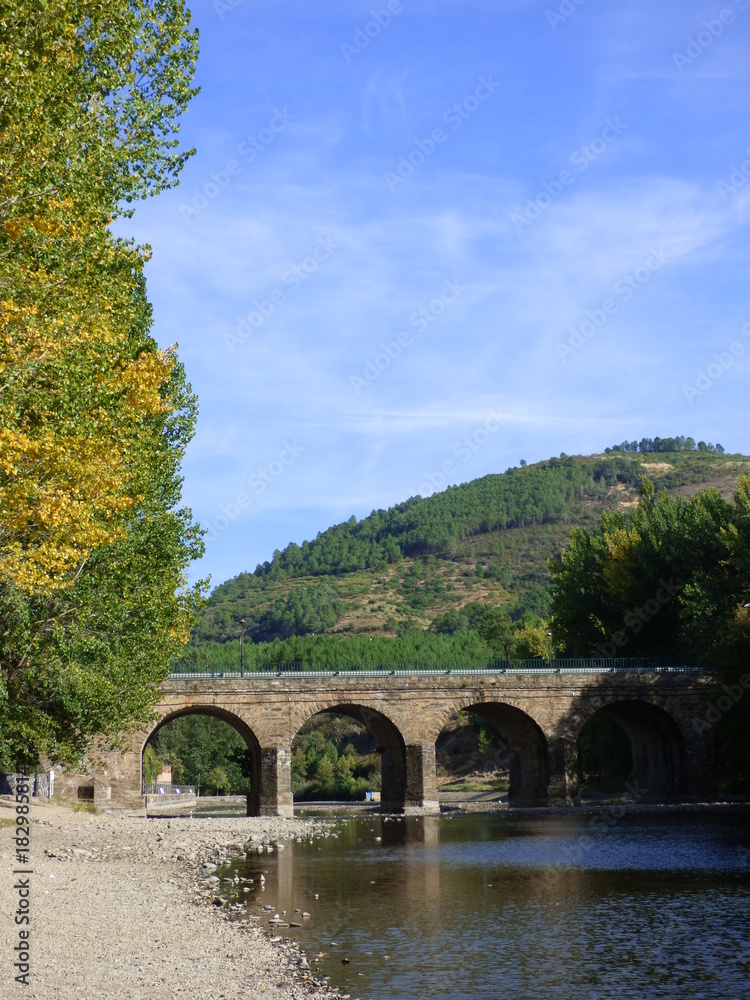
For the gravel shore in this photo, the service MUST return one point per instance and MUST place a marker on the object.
(120, 908)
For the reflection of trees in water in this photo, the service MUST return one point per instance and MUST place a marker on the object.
(407, 877)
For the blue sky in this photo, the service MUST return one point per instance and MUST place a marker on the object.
(418, 245)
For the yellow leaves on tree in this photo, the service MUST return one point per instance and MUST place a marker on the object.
(621, 545)
(77, 393)
(89, 109)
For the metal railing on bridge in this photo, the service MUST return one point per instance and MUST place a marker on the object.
(567, 665)
(166, 788)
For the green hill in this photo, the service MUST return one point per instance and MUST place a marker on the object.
(429, 562)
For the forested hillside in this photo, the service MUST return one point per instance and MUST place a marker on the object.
(440, 563)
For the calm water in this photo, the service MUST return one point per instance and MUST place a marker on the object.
(486, 907)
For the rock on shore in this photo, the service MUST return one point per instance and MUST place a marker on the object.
(120, 910)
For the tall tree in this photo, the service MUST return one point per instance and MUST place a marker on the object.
(94, 418)
(92, 93)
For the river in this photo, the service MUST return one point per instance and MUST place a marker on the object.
(470, 907)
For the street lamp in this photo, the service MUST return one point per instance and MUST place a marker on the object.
(549, 646)
(242, 647)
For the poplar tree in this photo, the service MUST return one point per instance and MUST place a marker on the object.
(94, 417)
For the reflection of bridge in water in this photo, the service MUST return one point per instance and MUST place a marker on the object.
(418, 865)
(540, 710)
(411, 877)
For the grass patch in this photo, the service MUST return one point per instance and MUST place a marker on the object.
(499, 785)
(86, 807)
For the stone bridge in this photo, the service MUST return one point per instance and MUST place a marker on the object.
(539, 712)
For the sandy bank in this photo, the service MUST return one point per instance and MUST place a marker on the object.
(120, 909)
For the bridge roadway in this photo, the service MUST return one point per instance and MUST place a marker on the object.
(540, 712)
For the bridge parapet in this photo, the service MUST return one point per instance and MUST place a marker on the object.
(566, 665)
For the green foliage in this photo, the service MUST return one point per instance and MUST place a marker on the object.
(489, 737)
(437, 524)
(92, 97)
(492, 624)
(218, 781)
(325, 778)
(665, 579)
(323, 650)
(659, 445)
(300, 765)
(344, 781)
(469, 618)
(152, 766)
(334, 757)
(86, 660)
(537, 494)
(307, 611)
(198, 746)
(108, 83)
(531, 641)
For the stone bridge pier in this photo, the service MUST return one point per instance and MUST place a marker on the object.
(539, 714)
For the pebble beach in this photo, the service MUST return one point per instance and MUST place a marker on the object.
(124, 907)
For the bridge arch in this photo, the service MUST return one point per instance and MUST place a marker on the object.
(238, 724)
(658, 746)
(527, 754)
(391, 745)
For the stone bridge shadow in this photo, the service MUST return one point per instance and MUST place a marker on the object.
(526, 753)
(673, 755)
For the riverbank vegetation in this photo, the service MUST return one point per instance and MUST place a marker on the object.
(670, 577)
(95, 416)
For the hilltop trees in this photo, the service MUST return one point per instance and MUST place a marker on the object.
(307, 610)
(487, 562)
(436, 524)
(94, 418)
(659, 445)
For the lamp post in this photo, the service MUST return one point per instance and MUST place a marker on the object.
(549, 646)
(242, 647)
